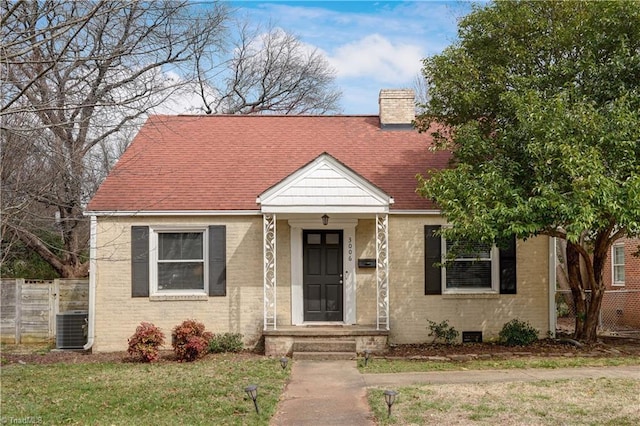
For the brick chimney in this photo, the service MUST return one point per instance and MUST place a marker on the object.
(397, 108)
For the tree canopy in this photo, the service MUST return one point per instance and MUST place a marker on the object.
(540, 106)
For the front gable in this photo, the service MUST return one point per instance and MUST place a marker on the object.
(324, 185)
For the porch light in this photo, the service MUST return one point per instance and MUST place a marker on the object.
(325, 220)
(252, 392)
(390, 398)
(367, 355)
(283, 362)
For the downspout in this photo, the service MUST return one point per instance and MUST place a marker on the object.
(92, 283)
(552, 286)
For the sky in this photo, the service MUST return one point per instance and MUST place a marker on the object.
(372, 45)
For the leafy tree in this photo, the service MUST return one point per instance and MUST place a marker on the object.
(539, 103)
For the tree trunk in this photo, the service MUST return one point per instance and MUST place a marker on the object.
(585, 272)
(592, 320)
(577, 289)
(601, 246)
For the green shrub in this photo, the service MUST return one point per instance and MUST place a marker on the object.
(144, 344)
(443, 332)
(190, 341)
(226, 342)
(518, 333)
(562, 310)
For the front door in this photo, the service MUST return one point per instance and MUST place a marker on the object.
(322, 275)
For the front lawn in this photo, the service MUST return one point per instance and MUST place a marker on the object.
(612, 402)
(209, 391)
(381, 365)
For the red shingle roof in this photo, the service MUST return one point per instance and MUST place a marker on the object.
(224, 162)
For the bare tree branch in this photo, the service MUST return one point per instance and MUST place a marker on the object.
(76, 75)
(274, 72)
(78, 79)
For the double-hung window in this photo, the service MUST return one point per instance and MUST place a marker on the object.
(474, 268)
(180, 261)
(462, 267)
(617, 263)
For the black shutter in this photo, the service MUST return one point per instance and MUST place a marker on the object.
(217, 260)
(139, 261)
(508, 267)
(432, 255)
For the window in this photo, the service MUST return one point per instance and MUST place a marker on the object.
(474, 268)
(178, 261)
(477, 268)
(617, 262)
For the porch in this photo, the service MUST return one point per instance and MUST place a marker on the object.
(325, 341)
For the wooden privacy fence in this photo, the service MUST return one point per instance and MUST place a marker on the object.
(29, 307)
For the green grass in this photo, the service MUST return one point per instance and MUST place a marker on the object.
(576, 402)
(407, 366)
(202, 392)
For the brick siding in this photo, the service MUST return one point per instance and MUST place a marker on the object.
(241, 311)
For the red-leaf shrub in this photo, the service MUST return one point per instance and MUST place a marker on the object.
(190, 341)
(144, 344)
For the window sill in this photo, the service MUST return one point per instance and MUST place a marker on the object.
(471, 295)
(178, 297)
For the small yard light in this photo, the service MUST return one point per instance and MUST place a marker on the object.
(252, 392)
(283, 362)
(325, 220)
(390, 398)
(367, 355)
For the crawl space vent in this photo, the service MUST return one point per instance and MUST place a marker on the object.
(472, 337)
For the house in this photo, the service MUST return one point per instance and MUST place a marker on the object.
(272, 225)
(621, 302)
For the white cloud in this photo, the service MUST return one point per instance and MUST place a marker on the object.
(377, 58)
(371, 44)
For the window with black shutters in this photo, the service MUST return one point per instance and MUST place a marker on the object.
(175, 261)
(475, 267)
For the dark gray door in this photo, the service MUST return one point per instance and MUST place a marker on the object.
(322, 276)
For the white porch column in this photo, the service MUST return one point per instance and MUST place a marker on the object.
(269, 236)
(382, 271)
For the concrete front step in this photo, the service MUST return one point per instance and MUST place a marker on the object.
(324, 356)
(324, 345)
(280, 342)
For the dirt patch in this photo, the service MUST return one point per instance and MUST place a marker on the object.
(607, 346)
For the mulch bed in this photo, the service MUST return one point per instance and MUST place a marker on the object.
(605, 347)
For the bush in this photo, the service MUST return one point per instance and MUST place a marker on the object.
(190, 341)
(443, 332)
(562, 310)
(518, 333)
(144, 344)
(226, 342)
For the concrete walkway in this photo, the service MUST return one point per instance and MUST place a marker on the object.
(334, 392)
(324, 393)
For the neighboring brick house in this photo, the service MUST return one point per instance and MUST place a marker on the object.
(622, 274)
(265, 225)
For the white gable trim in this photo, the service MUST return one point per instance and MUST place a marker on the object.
(324, 186)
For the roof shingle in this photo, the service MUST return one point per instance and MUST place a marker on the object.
(223, 162)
